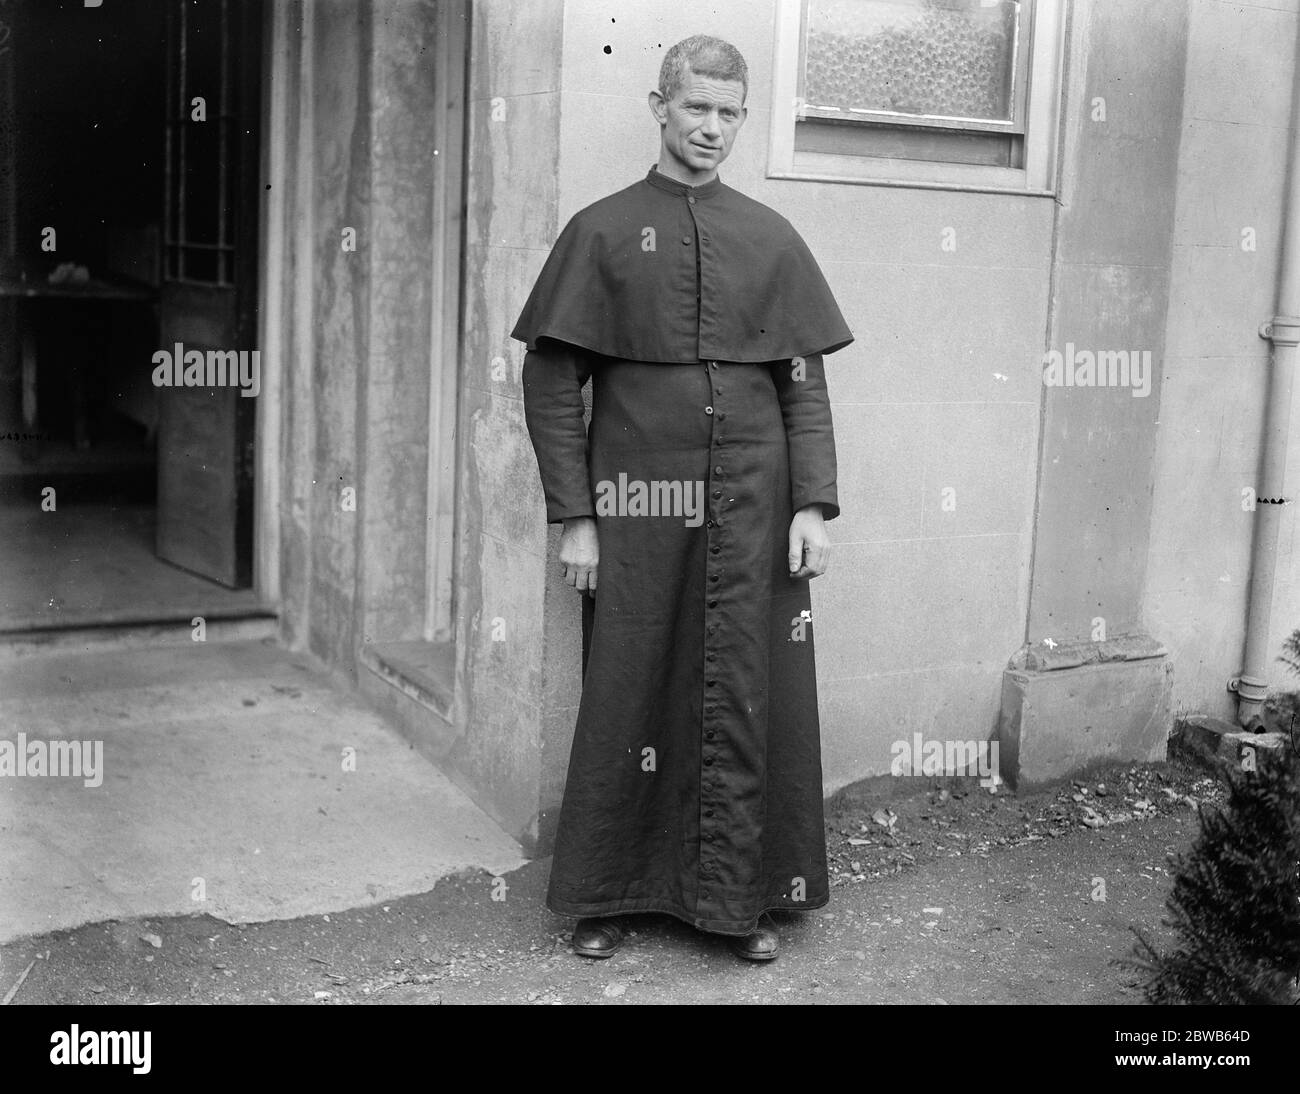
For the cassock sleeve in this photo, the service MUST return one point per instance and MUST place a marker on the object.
(806, 410)
(553, 378)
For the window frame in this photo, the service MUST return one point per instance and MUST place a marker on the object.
(1045, 61)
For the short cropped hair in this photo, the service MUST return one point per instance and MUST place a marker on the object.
(703, 55)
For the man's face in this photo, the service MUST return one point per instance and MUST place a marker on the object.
(699, 124)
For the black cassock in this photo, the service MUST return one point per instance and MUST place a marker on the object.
(700, 317)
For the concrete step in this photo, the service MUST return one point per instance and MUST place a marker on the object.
(20, 642)
(1214, 741)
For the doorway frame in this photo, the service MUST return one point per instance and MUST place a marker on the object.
(281, 74)
(287, 294)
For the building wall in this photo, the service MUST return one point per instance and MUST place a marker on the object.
(1119, 171)
(1090, 683)
(1231, 178)
(1067, 507)
(505, 607)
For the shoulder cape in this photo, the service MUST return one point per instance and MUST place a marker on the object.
(671, 273)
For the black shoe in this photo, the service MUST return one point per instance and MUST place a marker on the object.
(597, 937)
(761, 945)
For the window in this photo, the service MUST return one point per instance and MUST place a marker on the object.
(938, 92)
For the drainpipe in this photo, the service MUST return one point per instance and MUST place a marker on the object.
(1283, 331)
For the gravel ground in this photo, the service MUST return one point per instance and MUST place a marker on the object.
(943, 892)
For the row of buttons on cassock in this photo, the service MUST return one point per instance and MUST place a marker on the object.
(710, 655)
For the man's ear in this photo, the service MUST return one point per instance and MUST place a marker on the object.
(658, 107)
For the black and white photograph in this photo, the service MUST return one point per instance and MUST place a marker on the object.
(557, 502)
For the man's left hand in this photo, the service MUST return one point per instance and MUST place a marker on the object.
(810, 547)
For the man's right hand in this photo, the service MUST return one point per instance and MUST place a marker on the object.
(580, 553)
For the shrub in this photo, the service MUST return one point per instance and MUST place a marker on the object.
(1235, 904)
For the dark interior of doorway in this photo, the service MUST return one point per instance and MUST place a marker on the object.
(78, 410)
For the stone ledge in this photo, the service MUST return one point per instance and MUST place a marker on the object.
(1038, 657)
(1214, 741)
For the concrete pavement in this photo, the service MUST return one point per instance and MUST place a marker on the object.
(237, 780)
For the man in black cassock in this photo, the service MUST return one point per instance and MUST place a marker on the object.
(693, 516)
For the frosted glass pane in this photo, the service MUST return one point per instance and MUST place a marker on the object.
(947, 57)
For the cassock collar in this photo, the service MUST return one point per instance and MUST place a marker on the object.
(680, 189)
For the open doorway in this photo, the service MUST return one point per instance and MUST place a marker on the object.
(128, 301)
